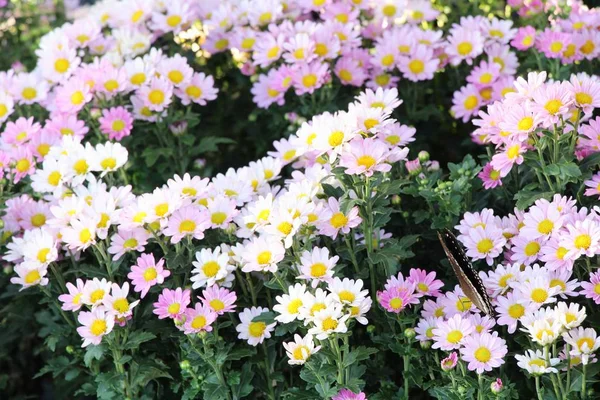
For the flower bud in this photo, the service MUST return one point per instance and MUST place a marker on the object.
(449, 363)
(95, 113)
(185, 365)
(199, 163)
(1, 224)
(409, 333)
(496, 387)
(70, 349)
(178, 128)
(370, 328)
(425, 344)
(396, 200)
(423, 156)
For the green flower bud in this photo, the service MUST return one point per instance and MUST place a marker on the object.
(409, 333)
(423, 156)
(425, 345)
(185, 365)
(70, 349)
(396, 200)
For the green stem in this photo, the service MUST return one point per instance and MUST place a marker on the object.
(351, 252)
(552, 377)
(583, 383)
(268, 372)
(568, 351)
(340, 365)
(251, 287)
(538, 389)
(480, 391)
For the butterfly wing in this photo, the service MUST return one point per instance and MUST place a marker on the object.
(468, 279)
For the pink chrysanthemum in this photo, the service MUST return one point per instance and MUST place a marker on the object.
(394, 299)
(524, 39)
(365, 156)
(490, 177)
(116, 122)
(187, 221)
(219, 299)
(424, 282)
(451, 334)
(172, 303)
(484, 352)
(347, 394)
(591, 289)
(147, 273)
(199, 319)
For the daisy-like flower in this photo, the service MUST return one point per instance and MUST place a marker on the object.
(316, 266)
(425, 282)
(221, 211)
(349, 71)
(455, 302)
(147, 273)
(591, 289)
(425, 327)
(300, 349)
(39, 246)
(464, 44)
(394, 300)
(7, 105)
(485, 74)
(172, 303)
(525, 251)
(482, 323)
(551, 102)
(541, 221)
(365, 156)
(490, 177)
(30, 274)
(553, 43)
(584, 341)
(72, 96)
(534, 362)
(108, 157)
(95, 291)
(309, 77)
(288, 305)
(72, 301)
(116, 122)
(210, 267)
(544, 331)
(96, 324)
(582, 239)
(262, 254)
(347, 291)
(451, 334)
(327, 321)
(199, 89)
(199, 319)
(219, 299)
(81, 233)
(157, 94)
(117, 303)
(466, 102)
(187, 222)
(593, 185)
(537, 290)
(484, 352)
(333, 220)
(420, 64)
(484, 243)
(570, 315)
(254, 332)
(524, 39)
(511, 154)
(511, 308)
(125, 241)
(553, 256)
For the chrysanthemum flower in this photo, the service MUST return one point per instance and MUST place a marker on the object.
(425, 327)
(219, 299)
(534, 362)
(96, 324)
(157, 95)
(95, 291)
(254, 332)
(464, 44)
(172, 303)
(310, 77)
(288, 305)
(327, 321)
(147, 273)
(210, 267)
(451, 334)
(316, 266)
(199, 319)
(552, 43)
(199, 89)
(582, 239)
(484, 243)
(300, 349)
(72, 300)
(125, 241)
(30, 274)
(510, 308)
(394, 299)
(116, 122)
(187, 221)
(466, 102)
(332, 220)
(583, 341)
(347, 394)
(484, 352)
(116, 302)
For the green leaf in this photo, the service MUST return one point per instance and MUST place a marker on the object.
(136, 338)
(244, 387)
(241, 352)
(93, 353)
(525, 199)
(266, 317)
(209, 145)
(358, 354)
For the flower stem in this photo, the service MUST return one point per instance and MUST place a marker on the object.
(583, 383)
(480, 391)
(538, 390)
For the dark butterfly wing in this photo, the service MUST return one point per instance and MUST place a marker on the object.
(468, 279)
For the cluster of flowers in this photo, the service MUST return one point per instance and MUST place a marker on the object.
(535, 107)
(569, 40)
(269, 218)
(555, 232)
(121, 86)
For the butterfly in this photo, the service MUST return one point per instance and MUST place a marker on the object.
(469, 281)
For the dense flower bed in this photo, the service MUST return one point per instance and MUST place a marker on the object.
(150, 259)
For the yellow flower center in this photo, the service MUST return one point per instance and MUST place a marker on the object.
(416, 66)
(389, 10)
(387, 60)
(150, 274)
(525, 124)
(256, 329)
(464, 48)
(583, 98)
(77, 98)
(285, 228)
(483, 354)
(98, 327)
(463, 304)
(217, 304)
(294, 306)
(347, 296)
(138, 78)
(187, 226)
(156, 96)
(211, 268)
(173, 20)
(583, 241)
(516, 311)
(588, 47)
(454, 336)
(81, 167)
(545, 226)
(29, 93)
(85, 235)
(338, 220)
(538, 362)
(264, 257)
(130, 243)
(161, 209)
(300, 351)
(175, 76)
(97, 295)
(329, 324)
(556, 47)
(485, 246)
(366, 161)
(174, 308)
(585, 341)
(218, 218)
(32, 277)
(61, 65)
(108, 163)
(309, 80)
(532, 248)
(121, 305)
(396, 303)
(539, 295)
(471, 102)
(553, 106)
(38, 220)
(503, 282)
(485, 78)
